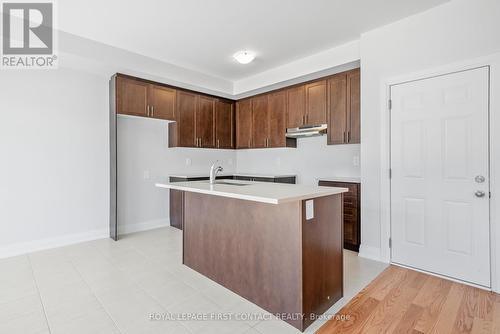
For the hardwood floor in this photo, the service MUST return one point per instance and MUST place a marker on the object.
(400, 300)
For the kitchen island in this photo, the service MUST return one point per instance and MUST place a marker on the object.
(277, 245)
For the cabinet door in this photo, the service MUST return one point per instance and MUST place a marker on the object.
(223, 124)
(337, 105)
(162, 102)
(277, 115)
(353, 115)
(296, 106)
(186, 107)
(244, 124)
(205, 122)
(352, 226)
(131, 97)
(260, 121)
(316, 103)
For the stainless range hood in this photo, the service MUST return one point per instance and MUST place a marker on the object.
(306, 131)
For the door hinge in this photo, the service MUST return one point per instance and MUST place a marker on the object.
(390, 242)
(390, 173)
(390, 104)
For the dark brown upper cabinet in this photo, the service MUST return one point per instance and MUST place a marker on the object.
(256, 122)
(307, 104)
(186, 108)
(140, 98)
(337, 100)
(277, 118)
(162, 102)
(205, 122)
(260, 122)
(132, 97)
(224, 137)
(244, 124)
(344, 108)
(296, 105)
(316, 103)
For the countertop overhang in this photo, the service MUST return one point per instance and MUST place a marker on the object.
(264, 192)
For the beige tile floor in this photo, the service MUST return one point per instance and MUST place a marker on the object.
(111, 287)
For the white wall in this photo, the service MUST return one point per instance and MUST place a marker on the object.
(145, 159)
(311, 159)
(455, 31)
(54, 149)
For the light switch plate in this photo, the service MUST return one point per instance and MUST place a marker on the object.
(309, 209)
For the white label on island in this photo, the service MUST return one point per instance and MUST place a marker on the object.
(309, 209)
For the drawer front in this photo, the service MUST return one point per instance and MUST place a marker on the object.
(352, 235)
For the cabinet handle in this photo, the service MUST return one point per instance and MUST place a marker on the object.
(345, 140)
(218, 143)
(147, 110)
(348, 136)
(200, 142)
(152, 111)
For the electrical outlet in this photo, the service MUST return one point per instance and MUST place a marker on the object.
(230, 161)
(146, 175)
(355, 161)
(188, 161)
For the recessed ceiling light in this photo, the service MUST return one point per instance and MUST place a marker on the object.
(244, 57)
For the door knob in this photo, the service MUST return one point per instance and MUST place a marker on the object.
(479, 193)
(479, 179)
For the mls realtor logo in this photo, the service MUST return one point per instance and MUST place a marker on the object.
(28, 35)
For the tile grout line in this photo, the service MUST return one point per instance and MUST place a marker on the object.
(134, 283)
(95, 296)
(156, 300)
(39, 294)
(194, 288)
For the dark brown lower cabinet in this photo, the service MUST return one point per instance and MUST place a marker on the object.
(352, 213)
(176, 206)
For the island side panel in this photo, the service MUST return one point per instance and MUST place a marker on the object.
(251, 248)
(322, 238)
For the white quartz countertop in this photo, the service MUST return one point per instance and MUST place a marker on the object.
(187, 175)
(349, 179)
(265, 192)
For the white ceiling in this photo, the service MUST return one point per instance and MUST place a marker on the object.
(202, 35)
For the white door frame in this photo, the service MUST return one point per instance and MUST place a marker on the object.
(493, 62)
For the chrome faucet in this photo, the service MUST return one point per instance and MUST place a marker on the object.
(214, 170)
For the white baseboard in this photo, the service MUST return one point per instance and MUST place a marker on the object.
(370, 252)
(38, 245)
(143, 226)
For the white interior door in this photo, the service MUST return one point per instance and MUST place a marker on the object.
(440, 175)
